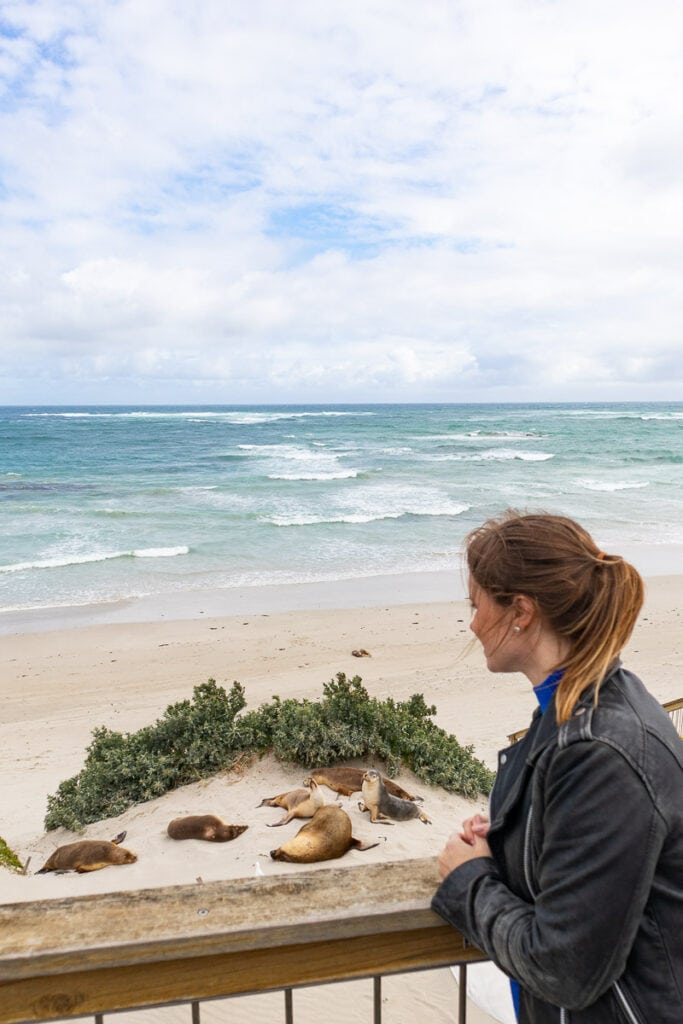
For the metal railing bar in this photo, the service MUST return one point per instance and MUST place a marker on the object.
(377, 1000)
(462, 994)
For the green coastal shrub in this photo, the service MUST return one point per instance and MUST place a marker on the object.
(193, 739)
(9, 859)
(199, 737)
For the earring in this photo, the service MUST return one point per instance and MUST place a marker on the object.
(517, 629)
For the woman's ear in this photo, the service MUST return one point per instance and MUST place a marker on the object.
(524, 611)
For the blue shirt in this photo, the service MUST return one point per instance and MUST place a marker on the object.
(545, 690)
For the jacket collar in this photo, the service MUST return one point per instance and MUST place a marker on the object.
(515, 764)
(543, 731)
(549, 729)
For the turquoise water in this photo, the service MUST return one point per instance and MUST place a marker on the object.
(100, 504)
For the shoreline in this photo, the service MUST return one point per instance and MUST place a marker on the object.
(372, 591)
(184, 605)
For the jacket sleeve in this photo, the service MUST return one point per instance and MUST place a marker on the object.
(602, 836)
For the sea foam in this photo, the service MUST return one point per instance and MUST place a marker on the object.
(61, 561)
(118, 502)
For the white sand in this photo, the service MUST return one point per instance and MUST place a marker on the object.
(58, 686)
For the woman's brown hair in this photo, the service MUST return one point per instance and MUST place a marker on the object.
(588, 598)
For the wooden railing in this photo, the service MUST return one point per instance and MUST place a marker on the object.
(675, 710)
(94, 954)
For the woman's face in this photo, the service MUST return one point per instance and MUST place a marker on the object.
(492, 624)
(514, 636)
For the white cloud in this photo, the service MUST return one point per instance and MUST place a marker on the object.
(372, 201)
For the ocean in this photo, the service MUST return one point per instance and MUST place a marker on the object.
(105, 504)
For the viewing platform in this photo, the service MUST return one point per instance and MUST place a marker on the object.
(91, 955)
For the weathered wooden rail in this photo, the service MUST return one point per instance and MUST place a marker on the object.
(95, 954)
(675, 711)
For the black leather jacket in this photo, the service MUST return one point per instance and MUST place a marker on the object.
(582, 902)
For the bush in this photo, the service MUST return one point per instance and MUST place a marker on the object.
(191, 740)
(9, 859)
(197, 738)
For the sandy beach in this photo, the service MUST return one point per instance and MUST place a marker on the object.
(59, 685)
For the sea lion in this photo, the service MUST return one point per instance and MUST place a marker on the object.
(326, 836)
(204, 826)
(383, 805)
(88, 855)
(350, 780)
(299, 803)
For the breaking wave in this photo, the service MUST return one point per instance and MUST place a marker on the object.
(60, 562)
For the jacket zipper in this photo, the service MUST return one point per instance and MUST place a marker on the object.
(625, 1005)
(564, 1018)
(527, 859)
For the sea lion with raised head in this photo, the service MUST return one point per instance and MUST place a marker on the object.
(209, 827)
(326, 836)
(299, 803)
(383, 805)
(88, 855)
(350, 780)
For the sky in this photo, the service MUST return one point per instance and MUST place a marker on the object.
(359, 201)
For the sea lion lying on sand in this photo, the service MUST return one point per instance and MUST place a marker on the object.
(299, 803)
(383, 805)
(326, 836)
(204, 826)
(88, 855)
(350, 780)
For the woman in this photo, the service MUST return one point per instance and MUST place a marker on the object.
(575, 888)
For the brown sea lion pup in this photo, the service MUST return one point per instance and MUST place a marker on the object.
(299, 803)
(350, 780)
(326, 836)
(204, 826)
(383, 805)
(88, 855)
